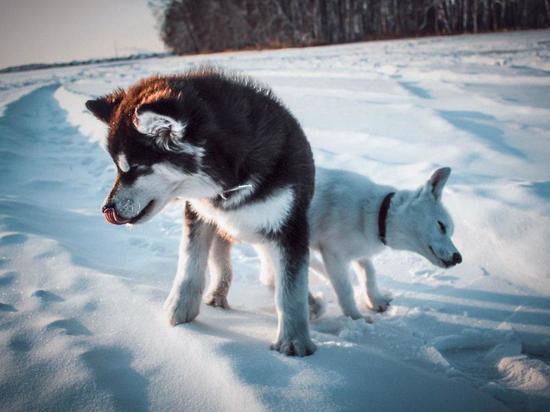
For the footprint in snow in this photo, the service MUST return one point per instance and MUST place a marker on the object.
(4, 307)
(13, 239)
(90, 306)
(7, 278)
(446, 278)
(47, 297)
(4, 261)
(71, 327)
(19, 343)
(425, 273)
(112, 372)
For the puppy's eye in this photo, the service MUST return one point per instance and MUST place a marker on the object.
(442, 227)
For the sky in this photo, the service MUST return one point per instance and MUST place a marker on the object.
(44, 31)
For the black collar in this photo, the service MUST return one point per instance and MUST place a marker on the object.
(382, 216)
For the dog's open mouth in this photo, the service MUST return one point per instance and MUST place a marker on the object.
(115, 219)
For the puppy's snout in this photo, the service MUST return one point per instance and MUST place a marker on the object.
(111, 215)
(107, 206)
(457, 258)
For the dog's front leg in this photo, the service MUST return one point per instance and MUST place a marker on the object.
(291, 299)
(367, 279)
(183, 302)
(221, 274)
(338, 273)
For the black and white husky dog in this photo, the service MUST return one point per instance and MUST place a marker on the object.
(240, 160)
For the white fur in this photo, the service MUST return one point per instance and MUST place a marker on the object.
(122, 163)
(221, 273)
(245, 222)
(168, 133)
(183, 302)
(343, 220)
(165, 183)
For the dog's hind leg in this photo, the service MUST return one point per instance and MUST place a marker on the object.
(338, 273)
(267, 266)
(221, 273)
(367, 278)
(183, 302)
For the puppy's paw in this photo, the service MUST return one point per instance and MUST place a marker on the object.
(181, 308)
(216, 300)
(316, 307)
(358, 315)
(295, 346)
(368, 319)
(379, 302)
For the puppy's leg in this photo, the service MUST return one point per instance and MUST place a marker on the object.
(367, 277)
(267, 276)
(183, 302)
(291, 299)
(316, 305)
(317, 265)
(337, 271)
(221, 273)
(267, 266)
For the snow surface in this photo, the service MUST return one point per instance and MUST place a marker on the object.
(80, 301)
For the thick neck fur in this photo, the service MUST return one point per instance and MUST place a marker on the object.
(397, 227)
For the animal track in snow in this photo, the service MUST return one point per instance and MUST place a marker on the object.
(47, 297)
(4, 307)
(20, 343)
(71, 327)
(13, 239)
(7, 278)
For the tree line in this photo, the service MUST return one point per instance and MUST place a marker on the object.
(194, 26)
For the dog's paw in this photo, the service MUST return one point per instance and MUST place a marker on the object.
(181, 308)
(368, 319)
(358, 315)
(216, 300)
(379, 302)
(295, 346)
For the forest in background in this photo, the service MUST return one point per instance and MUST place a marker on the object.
(191, 26)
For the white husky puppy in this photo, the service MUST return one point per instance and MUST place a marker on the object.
(352, 219)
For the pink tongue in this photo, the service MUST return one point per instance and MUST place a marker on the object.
(113, 218)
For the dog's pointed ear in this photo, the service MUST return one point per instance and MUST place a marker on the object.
(161, 121)
(104, 106)
(437, 181)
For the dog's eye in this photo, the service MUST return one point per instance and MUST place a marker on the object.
(442, 227)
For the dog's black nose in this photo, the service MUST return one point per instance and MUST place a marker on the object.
(457, 258)
(107, 206)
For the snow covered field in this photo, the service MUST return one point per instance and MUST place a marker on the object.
(81, 326)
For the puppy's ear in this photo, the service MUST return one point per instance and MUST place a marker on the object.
(103, 107)
(437, 181)
(161, 121)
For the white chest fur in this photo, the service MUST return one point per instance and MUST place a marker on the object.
(246, 222)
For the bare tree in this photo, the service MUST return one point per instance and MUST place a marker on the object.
(193, 26)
